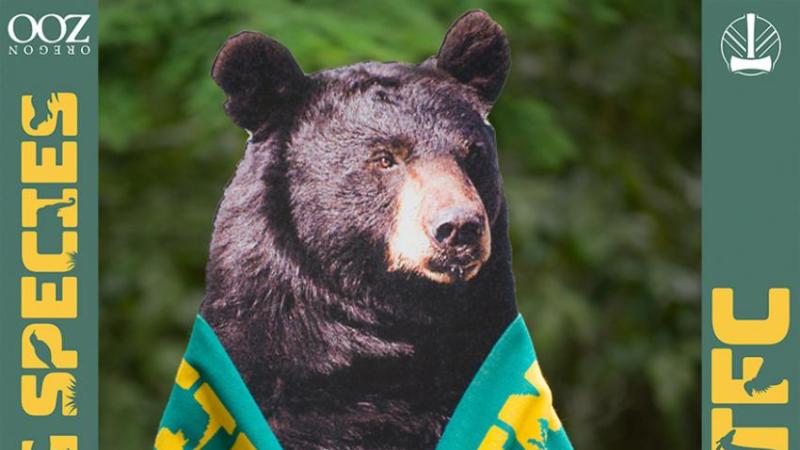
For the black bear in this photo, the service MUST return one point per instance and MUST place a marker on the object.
(359, 269)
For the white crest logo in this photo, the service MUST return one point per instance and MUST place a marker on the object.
(750, 45)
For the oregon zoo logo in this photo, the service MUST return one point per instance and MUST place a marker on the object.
(750, 45)
(50, 34)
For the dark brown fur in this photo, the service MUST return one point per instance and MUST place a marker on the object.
(338, 352)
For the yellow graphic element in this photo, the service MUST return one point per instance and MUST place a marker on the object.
(242, 443)
(218, 415)
(64, 104)
(53, 385)
(733, 331)
(726, 389)
(31, 204)
(766, 438)
(49, 171)
(495, 438)
(49, 306)
(526, 414)
(187, 375)
(42, 348)
(167, 440)
(56, 443)
(49, 262)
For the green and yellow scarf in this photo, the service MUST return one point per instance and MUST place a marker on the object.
(507, 406)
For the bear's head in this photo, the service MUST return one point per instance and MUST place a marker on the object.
(386, 167)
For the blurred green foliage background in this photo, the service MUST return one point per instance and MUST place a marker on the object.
(598, 131)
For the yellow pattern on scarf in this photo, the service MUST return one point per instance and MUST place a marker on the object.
(526, 414)
(218, 415)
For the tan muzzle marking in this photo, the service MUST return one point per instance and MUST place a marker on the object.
(432, 186)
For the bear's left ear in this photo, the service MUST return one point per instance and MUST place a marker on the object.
(475, 51)
(261, 78)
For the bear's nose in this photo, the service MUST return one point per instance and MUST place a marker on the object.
(457, 227)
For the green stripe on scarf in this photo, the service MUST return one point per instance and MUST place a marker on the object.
(508, 405)
(194, 419)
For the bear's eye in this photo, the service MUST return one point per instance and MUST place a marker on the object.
(386, 161)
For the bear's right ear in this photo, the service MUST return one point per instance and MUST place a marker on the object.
(260, 78)
(475, 51)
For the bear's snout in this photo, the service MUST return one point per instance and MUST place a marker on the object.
(457, 232)
(457, 226)
(441, 229)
